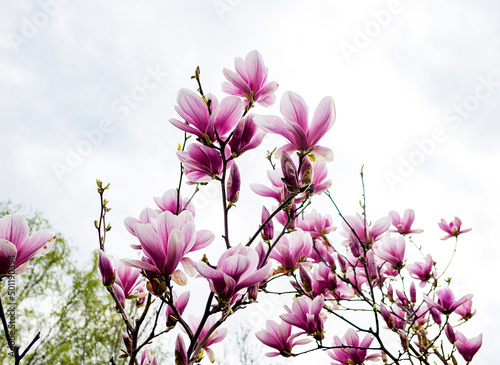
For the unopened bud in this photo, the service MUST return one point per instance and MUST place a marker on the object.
(268, 231)
(233, 184)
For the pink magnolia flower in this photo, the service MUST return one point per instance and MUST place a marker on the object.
(465, 310)
(373, 232)
(295, 127)
(306, 315)
(147, 216)
(356, 354)
(250, 78)
(403, 225)
(467, 347)
(168, 202)
(201, 163)
(246, 136)
(17, 247)
(394, 318)
(163, 248)
(452, 228)
(147, 358)
(277, 189)
(217, 336)
(180, 302)
(422, 270)
(292, 249)
(193, 109)
(237, 269)
(279, 337)
(446, 302)
(129, 279)
(323, 281)
(392, 250)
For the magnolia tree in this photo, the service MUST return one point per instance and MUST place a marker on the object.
(289, 244)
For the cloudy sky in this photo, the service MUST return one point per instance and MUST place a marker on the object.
(88, 87)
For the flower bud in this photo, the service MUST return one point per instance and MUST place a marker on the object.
(436, 315)
(305, 278)
(342, 263)
(290, 176)
(233, 185)
(307, 176)
(253, 292)
(108, 274)
(371, 265)
(413, 293)
(268, 231)
(450, 333)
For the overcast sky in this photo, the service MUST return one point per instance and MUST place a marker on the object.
(87, 89)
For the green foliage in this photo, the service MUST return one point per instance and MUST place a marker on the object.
(66, 303)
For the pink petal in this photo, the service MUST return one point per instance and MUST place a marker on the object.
(273, 124)
(323, 120)
(295, 110)
(8, 253)
(141, 265)
(33, 244)
(14, 228)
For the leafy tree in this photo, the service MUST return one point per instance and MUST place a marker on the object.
(63, 301)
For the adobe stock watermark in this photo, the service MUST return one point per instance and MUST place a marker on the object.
(11, 303)
(223, 6)
(363, 36)
(454, 117)
(31, 26)
(123, 106)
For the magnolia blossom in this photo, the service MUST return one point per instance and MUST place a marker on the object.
(392, 250)
(246, 136)
(237, 269)
(163, 248)
(250, 80)
(147, 358)
(453, 229)
(201, 163)
(403, 225)
(368, 236)
(279, 337)
(465, 310)
(17, 247)
(323, 281)
(306, 314)
(295, 127)
(129, 280)
(179, 302)
(206, 126)
(356, 354)
(446, 302)
(147, 216)
(467, 347)
(422, 270)
(216, 336)
(292, 249)
(168, 202)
